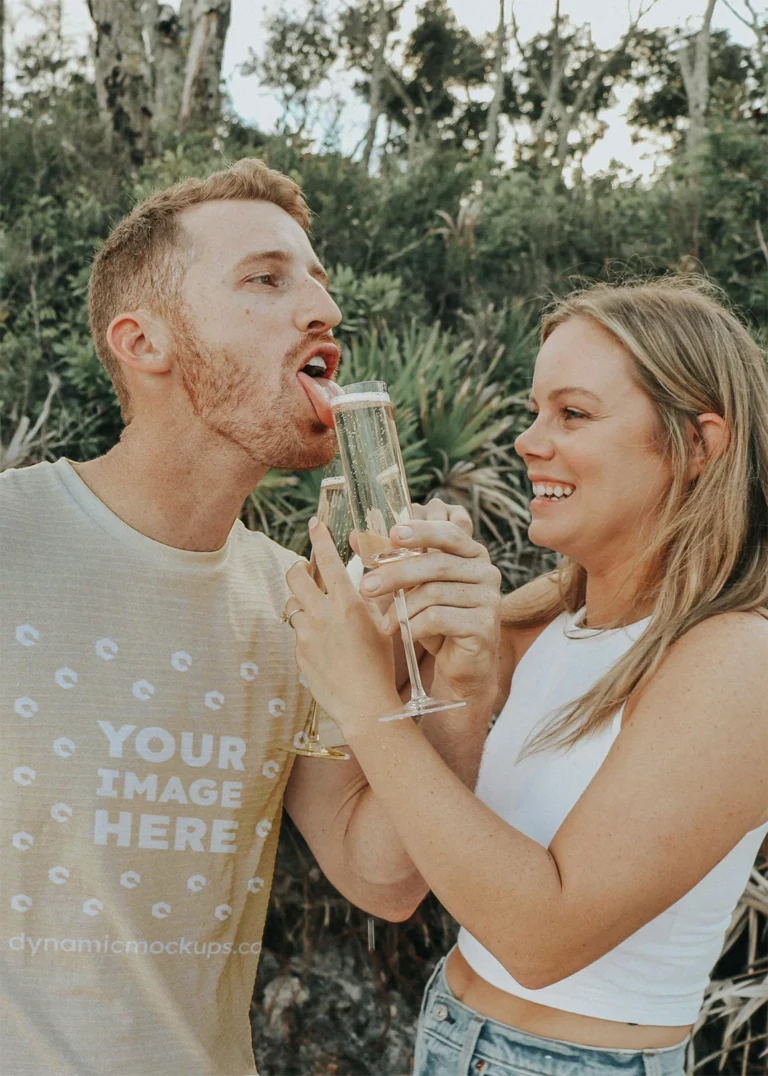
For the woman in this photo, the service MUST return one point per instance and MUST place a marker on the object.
(623, 791)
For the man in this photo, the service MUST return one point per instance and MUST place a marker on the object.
(148, 687)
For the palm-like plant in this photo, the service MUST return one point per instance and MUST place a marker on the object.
(733, 1004)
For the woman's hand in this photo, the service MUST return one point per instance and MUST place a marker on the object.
(341, 648)
(453, 599)
(453, 606)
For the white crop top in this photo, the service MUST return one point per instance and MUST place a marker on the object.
(657, 975)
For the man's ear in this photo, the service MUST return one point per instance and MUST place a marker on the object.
(710, 440)
(142, 341)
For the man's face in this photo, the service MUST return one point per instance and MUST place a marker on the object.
(254, 309)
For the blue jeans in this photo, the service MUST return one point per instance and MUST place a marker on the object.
(452, 1040)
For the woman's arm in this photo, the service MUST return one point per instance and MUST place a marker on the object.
(685, 780)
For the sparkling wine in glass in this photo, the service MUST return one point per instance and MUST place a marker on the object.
(378, 496)
(333, 511)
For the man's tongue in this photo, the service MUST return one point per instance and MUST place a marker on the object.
(320, 391)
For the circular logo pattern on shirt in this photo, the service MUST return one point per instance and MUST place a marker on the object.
(276, 707)
(181, 661)
(64, 747)
(255, 885)
(223, 912)
(25, 707)
(58, 875)
(195, 883)
(300, 739)
(214, 700)
(21, 902)
(249, 670)
(65, 677)
(271, 769)
(24, 775)
(263, 828)
(130, 879)
(61, 812)
(23, 841)
(93, 906)
(107, 649)
(143, 690)
(161, 910)
(27, 635)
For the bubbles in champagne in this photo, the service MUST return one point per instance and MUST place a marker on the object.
(333, 510)
(365, 428)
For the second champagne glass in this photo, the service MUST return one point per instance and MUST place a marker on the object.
(333, 511)
(379, 499)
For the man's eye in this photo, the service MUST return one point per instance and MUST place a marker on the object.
(262, 278)
(571, 412)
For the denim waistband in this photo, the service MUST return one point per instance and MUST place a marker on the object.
(486, 1044)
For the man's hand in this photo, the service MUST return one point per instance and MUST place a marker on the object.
(340, 648)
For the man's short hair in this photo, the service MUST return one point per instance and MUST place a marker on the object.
(142, 263)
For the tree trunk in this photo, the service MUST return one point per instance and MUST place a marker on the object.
(378, 75)
(2, 51)
(412, 134)
(492, 128)
(201, 92)
(166, 32)
(123, 80)
(552, 101)
(157, 72)
(694, 65)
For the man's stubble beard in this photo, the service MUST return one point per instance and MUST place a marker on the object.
(221, 392)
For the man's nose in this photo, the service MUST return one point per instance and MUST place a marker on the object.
(318, 311)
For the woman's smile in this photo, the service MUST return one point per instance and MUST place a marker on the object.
(550, 490)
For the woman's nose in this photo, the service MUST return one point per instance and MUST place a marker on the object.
(534, 442)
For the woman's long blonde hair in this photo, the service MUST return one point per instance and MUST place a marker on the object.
(710, 551)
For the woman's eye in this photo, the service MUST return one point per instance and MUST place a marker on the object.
(571, 412)
(262, 278)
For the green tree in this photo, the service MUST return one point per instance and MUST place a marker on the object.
(660, 103)
(567, 81)
(364, 33)
(297, 58)
(432, 97)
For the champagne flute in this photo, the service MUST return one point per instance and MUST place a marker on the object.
(333, 511)
(379, 499)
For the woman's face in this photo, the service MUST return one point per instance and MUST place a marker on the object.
(598, 474)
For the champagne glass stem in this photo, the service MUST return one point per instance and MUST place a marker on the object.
(417, 688)
(311, 722)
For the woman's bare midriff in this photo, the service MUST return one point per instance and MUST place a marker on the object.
(478, 994)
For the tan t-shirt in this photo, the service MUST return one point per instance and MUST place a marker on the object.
(147, 696)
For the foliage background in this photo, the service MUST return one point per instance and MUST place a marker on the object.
(442, 257)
